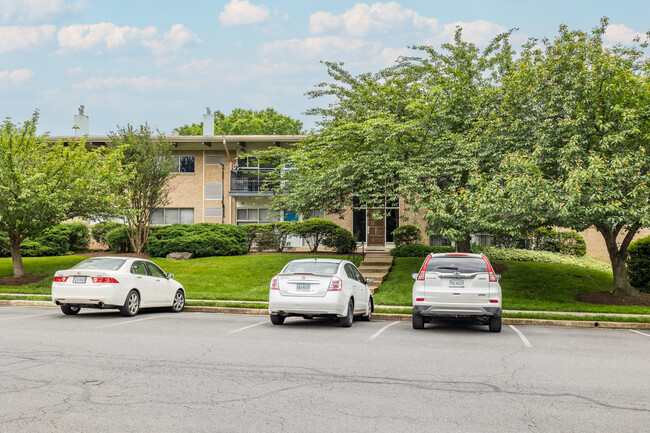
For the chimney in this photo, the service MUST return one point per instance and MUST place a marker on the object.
(80, 123)
(208, 122)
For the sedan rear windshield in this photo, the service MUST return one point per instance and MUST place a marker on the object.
(464, 265)
(101, 264)
(329, 268)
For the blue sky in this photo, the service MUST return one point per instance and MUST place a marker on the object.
(162, 62)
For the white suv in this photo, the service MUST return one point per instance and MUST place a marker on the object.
(457, 286)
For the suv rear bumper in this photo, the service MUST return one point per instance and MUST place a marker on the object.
(456, 311)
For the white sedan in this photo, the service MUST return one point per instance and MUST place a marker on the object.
(125, 283)
(320, 287)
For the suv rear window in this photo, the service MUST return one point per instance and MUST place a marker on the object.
(464, 265)
(311, 268)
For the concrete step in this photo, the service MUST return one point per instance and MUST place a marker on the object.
(373, 268)
(377, 260)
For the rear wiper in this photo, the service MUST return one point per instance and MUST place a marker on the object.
(453, 268)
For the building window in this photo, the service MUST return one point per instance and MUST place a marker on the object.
(213, 191)
(439, 241)
(482, 239)
(255, 216)
(173, 215)
(213, 159)
(213, 212)
(182, 164)
(392, 222)
(314, 214)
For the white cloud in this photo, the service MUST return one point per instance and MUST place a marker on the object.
(197, 67)
(136, 83)
(378, 18)
(389, 55)
(321, 47)
(74, 69)
(18, 76)
(38, 10)
(13, 38)
(242, 12)
(478, 32)
(177, 37)
(621, 34)
(111, 36)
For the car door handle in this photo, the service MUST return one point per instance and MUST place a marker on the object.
(139, 278)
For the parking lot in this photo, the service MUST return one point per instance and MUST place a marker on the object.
(161, 371)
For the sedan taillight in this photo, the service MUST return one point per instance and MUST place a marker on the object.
(103, 280)
(59, 279)
(336, 284)
(274, 284)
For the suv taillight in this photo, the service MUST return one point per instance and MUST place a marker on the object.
(336, 284)
(274, 284)
(60, 279)
(423, 269)
(103, 280)
(493, 276)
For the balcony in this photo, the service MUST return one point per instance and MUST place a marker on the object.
(250, 183)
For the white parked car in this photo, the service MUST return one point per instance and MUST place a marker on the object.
(457, 286)
(125, 283)
(320, 287)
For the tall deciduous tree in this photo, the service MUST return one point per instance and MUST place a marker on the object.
(248, 122)
(150, 163)
(576, 119)
(43, 183)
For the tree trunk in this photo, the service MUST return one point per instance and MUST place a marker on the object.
(464, 246)
(618, 257)
(16, 257)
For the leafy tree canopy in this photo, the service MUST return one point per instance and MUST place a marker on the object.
(248, 122)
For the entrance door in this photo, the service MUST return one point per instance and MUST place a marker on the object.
(376, 231)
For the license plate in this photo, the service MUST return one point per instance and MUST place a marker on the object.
(79, 280)
(457, 283)
(302, 287)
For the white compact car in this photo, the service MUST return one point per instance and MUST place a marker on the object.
(457, 286)
(125, 283)
(320, 287)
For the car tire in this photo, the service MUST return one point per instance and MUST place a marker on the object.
(366, 317)
(131, 305)
(346, 321)
(276, 319)
(70, 310)
(418, 321)
(179, 302)
(495, 324)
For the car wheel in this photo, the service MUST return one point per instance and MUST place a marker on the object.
(179, 302)
(131, 305)
(346, 321)
(495, 324)
(70, 310)
(366, 317)
(276, 319)
(418, 321)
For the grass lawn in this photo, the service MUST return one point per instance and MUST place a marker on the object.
(244, 278)
(525, 285)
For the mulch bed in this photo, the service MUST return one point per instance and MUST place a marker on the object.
(609, 298)
(25, 279)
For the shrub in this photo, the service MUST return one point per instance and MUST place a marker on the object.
(569, 242)
(419, 250)
(251, 231)
(341, 240)
(55, 238)
(314, 230)
(99, 230)
(541, 256)
(118, 240)
(202, 240)
(638, 265)
(36, 249)
(406, 235)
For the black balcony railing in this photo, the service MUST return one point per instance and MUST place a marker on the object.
(250, 183)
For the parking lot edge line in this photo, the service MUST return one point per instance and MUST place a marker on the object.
(127, 322)
(378, 333)
(642, 333)
(28, 315)
(522, 336)
(246, 327)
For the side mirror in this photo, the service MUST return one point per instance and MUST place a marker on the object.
(369, 280)
(170, 276)
(498, 277)
(414, 276)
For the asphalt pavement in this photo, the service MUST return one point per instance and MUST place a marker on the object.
(162, 371)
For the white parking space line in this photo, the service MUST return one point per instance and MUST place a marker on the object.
(126, 322)
(247, 327)
(29, 315)
(639, 332)
(522, 336)
(378, 333)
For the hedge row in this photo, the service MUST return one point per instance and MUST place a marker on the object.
(419, 250)
(55, 241)
(638, 265)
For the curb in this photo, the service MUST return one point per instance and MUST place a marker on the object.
(377, 316)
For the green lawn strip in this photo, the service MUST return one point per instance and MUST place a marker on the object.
(228, 304)
(586, 318)
(42, 266)
(26, 298)
(531, 286)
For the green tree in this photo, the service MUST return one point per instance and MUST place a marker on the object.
(150, 162)
(575, 118)
(406, 131)
(248, 122)
(43, 183)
